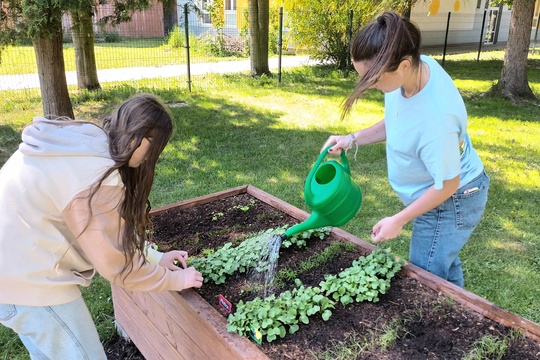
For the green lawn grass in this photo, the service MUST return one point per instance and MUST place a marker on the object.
(239, 130)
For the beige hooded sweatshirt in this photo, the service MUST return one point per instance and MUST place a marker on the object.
(49, 243)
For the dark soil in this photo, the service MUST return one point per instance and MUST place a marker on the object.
(429, 325)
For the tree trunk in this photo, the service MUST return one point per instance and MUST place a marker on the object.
(52, 75)
(406, 12)
(513, 81)
(259, 20)
(83, 44)
(170, 17)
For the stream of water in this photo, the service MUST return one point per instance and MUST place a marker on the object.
(268, 261)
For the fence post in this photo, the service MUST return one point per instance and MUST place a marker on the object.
(481, 36)
(446, 38)
(186, 31)
(536, 33)
(280, 42)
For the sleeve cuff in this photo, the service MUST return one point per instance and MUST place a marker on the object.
(152, 255)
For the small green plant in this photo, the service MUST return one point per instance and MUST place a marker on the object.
(326, 255)
(316, 260)
(248, 254)
(353, 347)
(276, 316)
(207, 252)
(367, 278)
(272, 317)
(299, 239)
(244, 208)
(389, 334)
(488, 347)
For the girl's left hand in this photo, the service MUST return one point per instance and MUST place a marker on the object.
(171, 258)
(386, 229)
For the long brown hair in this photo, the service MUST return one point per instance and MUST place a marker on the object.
(141, 116)
(384, 43)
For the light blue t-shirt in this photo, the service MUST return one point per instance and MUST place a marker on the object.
(426, 137)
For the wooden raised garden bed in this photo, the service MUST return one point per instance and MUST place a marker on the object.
(182, 325)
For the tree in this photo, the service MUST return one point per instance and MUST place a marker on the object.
(513, 83)
(320, 27)
(82, 32)
(406, 8)
(259, 21)
(82, 12)
(43, 24)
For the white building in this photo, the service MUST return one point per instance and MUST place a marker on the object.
(467, 21)
(457, 21)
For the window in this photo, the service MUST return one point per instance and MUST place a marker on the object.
(204, 17)
(230, 4)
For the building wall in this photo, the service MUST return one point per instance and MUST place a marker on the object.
(144, 24)
(464, 26)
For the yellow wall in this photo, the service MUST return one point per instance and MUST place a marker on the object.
(243, 4)
(240, 6)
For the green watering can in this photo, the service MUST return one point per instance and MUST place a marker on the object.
(331, 193)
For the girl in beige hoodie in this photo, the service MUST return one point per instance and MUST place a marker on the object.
(73, 201)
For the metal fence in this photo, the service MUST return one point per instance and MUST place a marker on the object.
(154, 45)
(180, 46)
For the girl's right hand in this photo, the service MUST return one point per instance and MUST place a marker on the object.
(340, 142)
(192, 278)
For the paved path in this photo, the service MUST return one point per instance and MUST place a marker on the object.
(29, 81)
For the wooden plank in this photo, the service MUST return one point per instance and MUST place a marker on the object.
(186, 204)
(132, 327)
(141, 328)
(177, 328)
(279, 204)
(206, 326)
(245, 348)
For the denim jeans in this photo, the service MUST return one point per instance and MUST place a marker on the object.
(440, 234)
(55, 332)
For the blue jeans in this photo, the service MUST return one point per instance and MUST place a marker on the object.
(55, 332)
(440, 234)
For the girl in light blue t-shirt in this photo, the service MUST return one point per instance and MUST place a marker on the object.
(432, 164)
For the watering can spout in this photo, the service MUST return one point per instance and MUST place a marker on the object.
(315, 221)
(331, 193)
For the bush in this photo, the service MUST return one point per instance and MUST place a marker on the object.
(176, 38)
(321, 27)
(222, 45)
(112, 37)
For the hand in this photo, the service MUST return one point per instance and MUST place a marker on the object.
(192, 278)
(386, 229)
(171, 258)
(340, 142)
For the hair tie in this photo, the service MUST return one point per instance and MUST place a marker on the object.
(380, 20)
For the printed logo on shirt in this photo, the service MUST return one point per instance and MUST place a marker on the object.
(462, 148)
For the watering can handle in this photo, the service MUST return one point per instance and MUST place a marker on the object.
(344, 164)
